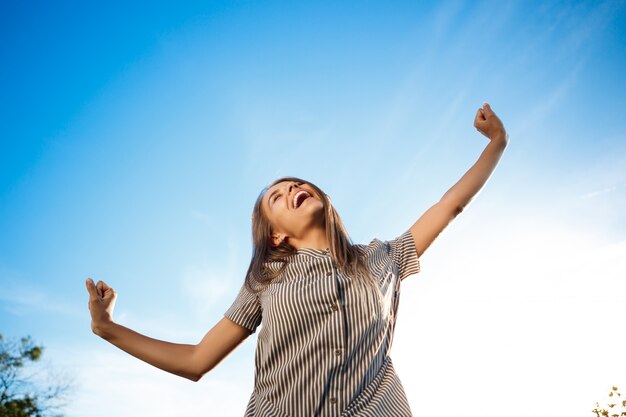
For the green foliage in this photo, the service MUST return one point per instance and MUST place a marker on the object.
(616, 406)
(20, 396)
(22, 407)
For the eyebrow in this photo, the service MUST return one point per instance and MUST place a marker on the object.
(269, 199)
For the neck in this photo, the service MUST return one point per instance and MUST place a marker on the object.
(314, 239)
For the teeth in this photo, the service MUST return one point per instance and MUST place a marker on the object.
(295, 198)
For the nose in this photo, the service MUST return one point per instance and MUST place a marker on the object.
(292, 185)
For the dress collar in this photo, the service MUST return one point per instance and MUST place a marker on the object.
(304, 253)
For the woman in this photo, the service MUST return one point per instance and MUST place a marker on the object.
(327, 306)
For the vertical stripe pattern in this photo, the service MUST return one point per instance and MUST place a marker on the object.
(323, 346)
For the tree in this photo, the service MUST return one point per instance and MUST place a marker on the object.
(21, 390)
(616, 406)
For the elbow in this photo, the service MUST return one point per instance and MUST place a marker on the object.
(192, 373)
(457, 207)
(194, 377)
(197, 375)
(453, 207)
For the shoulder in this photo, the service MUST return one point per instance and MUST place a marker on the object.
(374, 247)
(392, 247)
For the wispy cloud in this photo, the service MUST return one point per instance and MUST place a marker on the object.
(547, 104)
(112, 383)
(23, 298)
(603, 191)
(585, 21)
(203, 217)
(206, 285)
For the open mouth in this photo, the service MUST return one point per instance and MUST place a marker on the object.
(299, 198)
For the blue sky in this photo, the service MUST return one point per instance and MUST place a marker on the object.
(135, 139)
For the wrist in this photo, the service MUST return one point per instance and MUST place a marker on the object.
(104, 329)
(501, 138)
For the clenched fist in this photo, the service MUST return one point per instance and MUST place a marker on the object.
(101, 304)
(489, 124)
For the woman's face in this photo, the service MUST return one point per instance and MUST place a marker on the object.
(293, 209)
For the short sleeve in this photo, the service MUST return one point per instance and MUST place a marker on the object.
(245, 310)
(404, 256)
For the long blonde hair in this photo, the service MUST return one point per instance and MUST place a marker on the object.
(346, 256)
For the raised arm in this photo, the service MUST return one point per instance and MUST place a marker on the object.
(185, 360)
(435, 219)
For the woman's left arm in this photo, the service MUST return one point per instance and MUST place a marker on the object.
(438, 217)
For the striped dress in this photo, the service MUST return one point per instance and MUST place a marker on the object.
(323, 347)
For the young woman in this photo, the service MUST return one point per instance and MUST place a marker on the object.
(328, 307)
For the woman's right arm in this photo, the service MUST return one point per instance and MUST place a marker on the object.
(188, 361)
